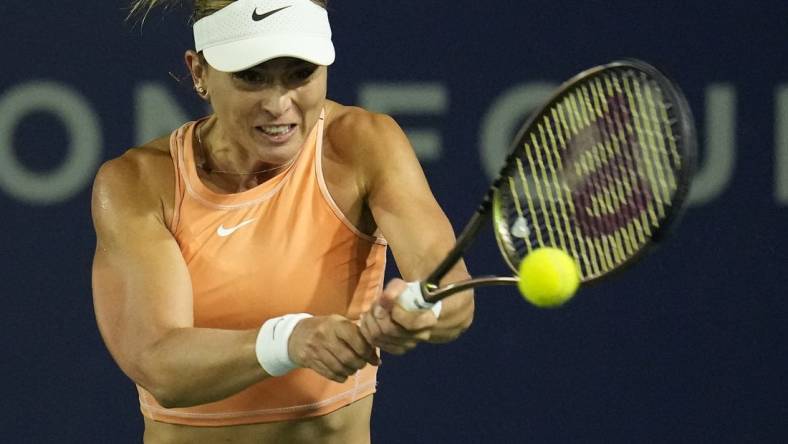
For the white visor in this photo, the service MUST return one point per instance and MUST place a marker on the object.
(249, 32)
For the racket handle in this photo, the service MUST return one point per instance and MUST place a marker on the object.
(412, 299)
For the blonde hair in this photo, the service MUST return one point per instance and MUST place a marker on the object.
(200, 8)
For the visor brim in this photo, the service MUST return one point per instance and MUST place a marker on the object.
(244, 54)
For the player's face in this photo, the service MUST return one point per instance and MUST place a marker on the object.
(270, 109)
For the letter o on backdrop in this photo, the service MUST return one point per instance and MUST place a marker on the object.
(84, 143)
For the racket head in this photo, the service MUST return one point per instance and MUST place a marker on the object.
(601, 171)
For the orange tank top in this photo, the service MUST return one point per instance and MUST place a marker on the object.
(281, 247)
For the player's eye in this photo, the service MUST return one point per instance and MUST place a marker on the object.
(303, 73)
(251, 76)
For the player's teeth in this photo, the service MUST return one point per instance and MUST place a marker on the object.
(276, 130)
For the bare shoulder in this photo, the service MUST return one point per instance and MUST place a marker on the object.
(366, 144)
(373, 149)
(357, 132)
(138, 183)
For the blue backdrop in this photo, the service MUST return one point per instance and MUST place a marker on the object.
(689, 346)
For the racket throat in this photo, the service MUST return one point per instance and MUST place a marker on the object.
(433, 294)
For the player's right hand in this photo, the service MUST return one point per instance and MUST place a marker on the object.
(332, 346)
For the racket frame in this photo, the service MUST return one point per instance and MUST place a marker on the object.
(430, 287)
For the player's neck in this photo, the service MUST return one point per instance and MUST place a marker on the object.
(227, 169)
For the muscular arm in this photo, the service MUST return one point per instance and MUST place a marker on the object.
(406, 212)
(143, 300)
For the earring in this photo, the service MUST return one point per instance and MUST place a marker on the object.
(200, 90)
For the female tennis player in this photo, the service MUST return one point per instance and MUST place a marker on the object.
(237, 256)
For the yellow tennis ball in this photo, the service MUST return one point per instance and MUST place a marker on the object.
(548, 277)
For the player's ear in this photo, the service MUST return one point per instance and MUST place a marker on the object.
(198, 69)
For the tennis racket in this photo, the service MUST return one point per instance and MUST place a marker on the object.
(601, 172)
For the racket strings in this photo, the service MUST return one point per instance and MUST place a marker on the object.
(612, 129)
(596, 173)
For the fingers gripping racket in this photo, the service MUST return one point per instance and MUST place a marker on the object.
(601, 172)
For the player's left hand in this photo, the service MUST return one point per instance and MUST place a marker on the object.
(392, 328)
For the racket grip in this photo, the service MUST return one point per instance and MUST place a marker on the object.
(412, 299)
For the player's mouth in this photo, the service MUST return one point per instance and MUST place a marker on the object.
(277, 133)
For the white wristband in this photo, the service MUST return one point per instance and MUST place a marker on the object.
(272, 340)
